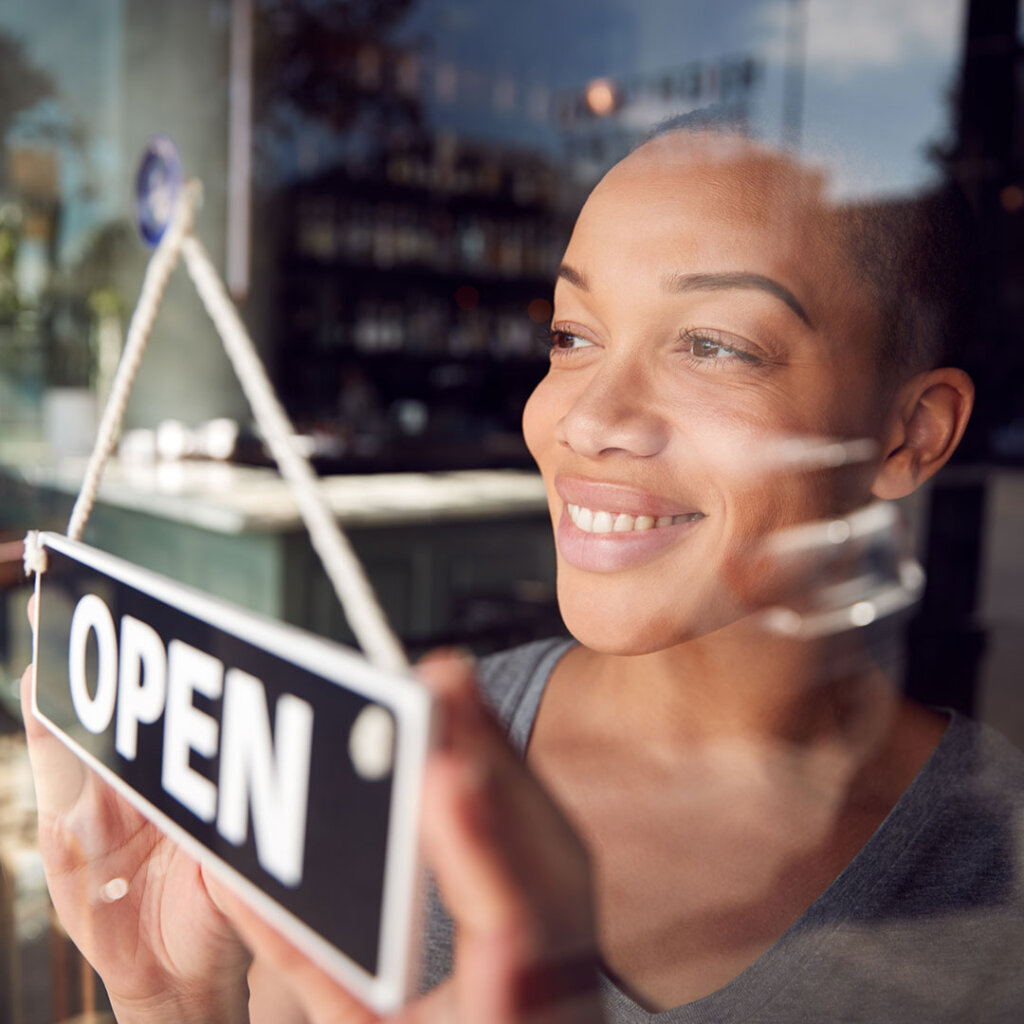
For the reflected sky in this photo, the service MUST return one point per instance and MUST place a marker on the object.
(877, 75)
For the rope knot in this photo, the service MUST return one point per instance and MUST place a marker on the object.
(35, 554)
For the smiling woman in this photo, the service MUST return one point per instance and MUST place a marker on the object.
(691, 332)
(777, 834)
(714, 803)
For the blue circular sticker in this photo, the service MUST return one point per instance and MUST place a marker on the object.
(158, 184)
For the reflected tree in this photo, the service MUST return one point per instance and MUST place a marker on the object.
(22, 86)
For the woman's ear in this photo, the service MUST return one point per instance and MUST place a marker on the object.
(930, 414)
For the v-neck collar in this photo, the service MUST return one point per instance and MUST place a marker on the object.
(857, 885)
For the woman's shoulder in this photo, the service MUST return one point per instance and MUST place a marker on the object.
(975, 760)
(972, 788)
(983, 773)
(956, 832)
(513, 681)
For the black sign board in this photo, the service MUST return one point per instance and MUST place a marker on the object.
(286, 762)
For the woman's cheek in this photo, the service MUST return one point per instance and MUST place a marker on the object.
(539, 419)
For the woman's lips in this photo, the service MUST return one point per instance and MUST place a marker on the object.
(608, 527)
(617, 498)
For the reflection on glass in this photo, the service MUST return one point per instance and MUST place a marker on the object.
(733, 326)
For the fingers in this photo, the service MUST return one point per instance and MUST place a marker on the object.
(450, 674)
(33, 726)
(28, 677)
(59, 775)
(320, 997)
(27, 682)
(486, 810)
(460, 845)
(506, 860)
(270, 997)
(510, 869)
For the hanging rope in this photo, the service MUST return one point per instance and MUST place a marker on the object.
(154, 284)
(342, 566)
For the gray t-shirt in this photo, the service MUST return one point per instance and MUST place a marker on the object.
(926, 924)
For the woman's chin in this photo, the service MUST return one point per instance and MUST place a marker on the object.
(622, 635)
(619, 647)
(627, 628)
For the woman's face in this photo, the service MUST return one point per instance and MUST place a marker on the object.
(702, 317)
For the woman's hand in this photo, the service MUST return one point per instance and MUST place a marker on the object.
(162, 935)
(511, 872)
(133, 902)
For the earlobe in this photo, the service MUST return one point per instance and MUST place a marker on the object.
(930, 415)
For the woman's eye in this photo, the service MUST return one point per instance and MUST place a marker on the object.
(565, 341)
(707, 346)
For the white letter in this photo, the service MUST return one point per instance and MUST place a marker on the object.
(187, 728)
(96, 712)
(141, 683)
(277, 786)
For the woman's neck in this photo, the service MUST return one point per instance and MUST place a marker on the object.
(740, 686)
(720, 787)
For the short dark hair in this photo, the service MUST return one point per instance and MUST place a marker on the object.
(918, 255)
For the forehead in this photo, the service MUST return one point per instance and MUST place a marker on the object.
(706, 204)
(761, 181)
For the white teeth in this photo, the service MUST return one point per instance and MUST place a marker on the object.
(591, 521)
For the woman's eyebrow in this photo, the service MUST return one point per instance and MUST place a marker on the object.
(707, 282)
(573, 276)
(736, 279)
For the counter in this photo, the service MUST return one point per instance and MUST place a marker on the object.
(240, 499)
(464, 557)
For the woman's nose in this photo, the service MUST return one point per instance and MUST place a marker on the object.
(616, 412)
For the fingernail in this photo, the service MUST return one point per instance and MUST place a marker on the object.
(444, 654)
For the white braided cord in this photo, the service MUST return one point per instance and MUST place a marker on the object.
(343, 568)
(154, 284)
(340, 562)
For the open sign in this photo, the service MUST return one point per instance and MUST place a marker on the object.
(288, 763)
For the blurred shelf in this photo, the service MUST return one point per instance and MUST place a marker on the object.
(415, 273)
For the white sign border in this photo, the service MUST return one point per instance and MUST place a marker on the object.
(412, 705)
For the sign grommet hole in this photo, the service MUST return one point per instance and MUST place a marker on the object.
(371, 743)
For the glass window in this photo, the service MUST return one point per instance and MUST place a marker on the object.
(389, 188)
